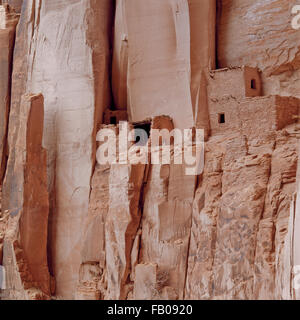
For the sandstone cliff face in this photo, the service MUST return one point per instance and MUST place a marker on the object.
(75, 89)
(7, 35)
(72, 228)
(259, 34)
(238, 234)
(16, 4)
(25, 243)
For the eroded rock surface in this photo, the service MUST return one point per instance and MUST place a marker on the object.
(240, 220)
(25, 242)
(8, 21)
(72, 228)
(259, 34)
(69, 64)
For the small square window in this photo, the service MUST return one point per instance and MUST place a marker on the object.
(221, 117)
(253, 84)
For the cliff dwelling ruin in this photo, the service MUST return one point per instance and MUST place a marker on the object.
(72, 228)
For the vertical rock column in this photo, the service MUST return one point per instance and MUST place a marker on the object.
(163, 52)
(92, 275)
(111, 236)
(203, 56)
(62, 50)
(165, 228)
(296, 238)
(25, 245)
(93, 266)
(158, 43)
(166, 231)
(8, 21)
(120, 57)
(122, 223)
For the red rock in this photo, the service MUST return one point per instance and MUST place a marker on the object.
(76, 91)
(25, 243)
(16, 4)
(8, 21)
(72, 228)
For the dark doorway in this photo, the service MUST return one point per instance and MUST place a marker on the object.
(221, 117)
(113, 120)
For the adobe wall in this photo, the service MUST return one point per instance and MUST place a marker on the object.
(226, 88)
(261, 115)
(234, 82)
(235, 103)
